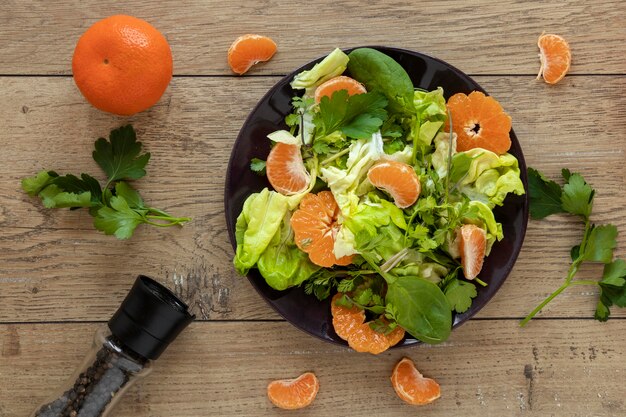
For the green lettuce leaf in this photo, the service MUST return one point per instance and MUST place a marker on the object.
(256, 226)
(347, 185)
(333, 65)
(282, 264)
(491, 177)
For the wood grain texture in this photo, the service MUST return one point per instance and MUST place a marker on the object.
(487, 368)
(57, 267)
(479, 37)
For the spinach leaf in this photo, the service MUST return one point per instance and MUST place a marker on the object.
(421, 308)
(381, 73)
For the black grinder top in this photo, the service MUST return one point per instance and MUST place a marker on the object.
(149, 318)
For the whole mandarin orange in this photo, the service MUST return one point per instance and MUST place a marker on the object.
(122, 65)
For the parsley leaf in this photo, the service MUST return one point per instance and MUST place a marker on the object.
(600, 244)
(358, 116)
(119, 157)
(118, 219)
(54, 197)
(544, 194)
(118, 208)
(577, 197)
(459, 294)
(257, 166)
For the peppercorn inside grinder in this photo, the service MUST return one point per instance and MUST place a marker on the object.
(148, 320)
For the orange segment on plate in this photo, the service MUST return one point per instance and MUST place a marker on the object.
(364, 339)
(411, 386)
(285, 169)
(291, 394)
(395, 336)
(555, 56)
(479, 122)
(341, 82)
(345, 320)
(472, 245)
(398, 179)
(315, 226)
(248, 50)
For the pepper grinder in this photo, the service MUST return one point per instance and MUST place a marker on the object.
(147, 321)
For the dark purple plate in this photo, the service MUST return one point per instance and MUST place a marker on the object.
(305, 311)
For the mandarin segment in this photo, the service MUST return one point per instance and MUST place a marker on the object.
(285, 169)
(395, 336)
(398, 179)
(315, 227)
(122, 65)
(339, 83)
(248, 50)
(345, 320)
(291, 394)
(479, 122)
(411, 386)
(364, 339)
(555, 56)
(472, 246)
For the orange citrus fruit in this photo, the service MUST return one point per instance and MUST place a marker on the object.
(315, 226)
(395, 336)
(479, 122)
(122, 65)
(341, 82)
(398, 179)
(345, 320)
(291, 394)
(285, 169)
(472, 245)
(555, 56)
(411, 386)
(364, 339)
(249, 50)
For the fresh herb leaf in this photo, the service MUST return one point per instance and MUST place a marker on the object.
(460, 294)
(358, 116)
(118, 219)
(544, 194)
(131, 196)
(257, 166)
(600, 243)
(614, 273)
(577, 197)
(54, 197)
(119, 156)
(117, 208)
(33, 185)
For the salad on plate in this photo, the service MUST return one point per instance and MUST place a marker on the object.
(382, 195)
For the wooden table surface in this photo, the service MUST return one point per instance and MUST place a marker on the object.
(60, 279)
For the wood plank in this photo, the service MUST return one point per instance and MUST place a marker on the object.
(483, 37)
(487, 368)
(56, 267)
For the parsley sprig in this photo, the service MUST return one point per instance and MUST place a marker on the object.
(117, 208)
(597, 245)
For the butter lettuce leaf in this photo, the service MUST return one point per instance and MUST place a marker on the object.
(347, 185)
(333, 65)
(256, 226)
(282, 264)
(491, 177)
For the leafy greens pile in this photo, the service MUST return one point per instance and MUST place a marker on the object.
(406, 266)
(117, 208)
(597, 245)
